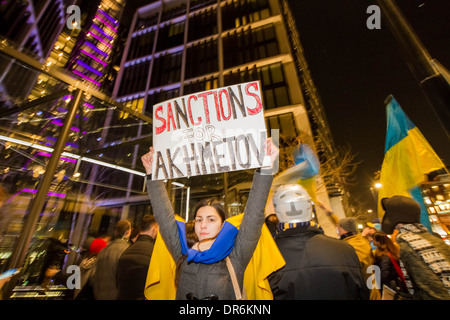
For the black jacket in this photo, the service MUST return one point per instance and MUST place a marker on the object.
(317, 267)
(133, 267)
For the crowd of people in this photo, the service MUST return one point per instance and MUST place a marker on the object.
(396, 258)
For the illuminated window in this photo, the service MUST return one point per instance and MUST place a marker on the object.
(134, 78)
(202, 24)
(252, 44)
(273, 83)
(285, 123)
(166, 70)
(201, 59)
(201, 85)
(136, 104)
(170, 36)
(141, 45)
(242, 12)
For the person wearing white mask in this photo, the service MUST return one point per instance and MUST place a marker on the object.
(317, 266)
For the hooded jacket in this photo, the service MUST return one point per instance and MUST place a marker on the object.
(317, 267)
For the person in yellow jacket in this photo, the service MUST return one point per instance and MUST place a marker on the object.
(348, 232)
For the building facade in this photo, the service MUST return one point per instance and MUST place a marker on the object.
(32, 26)
(35, 107)
(175, 48)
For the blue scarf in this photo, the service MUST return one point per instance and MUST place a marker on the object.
(219, 250)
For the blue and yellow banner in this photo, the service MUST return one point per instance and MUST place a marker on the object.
(408, 158)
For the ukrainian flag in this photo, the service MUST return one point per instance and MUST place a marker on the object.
(408, 158)
(304, 172)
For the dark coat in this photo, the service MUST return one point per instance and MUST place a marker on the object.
(427, 285)
(104, 279)
(389, 275)
(132, 268)
(317, 267)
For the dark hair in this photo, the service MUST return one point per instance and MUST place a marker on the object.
(121, 227)
(135, 231)
(212, 203)
(271, 222)
(384, 245)
(191, 236)
(147, 222)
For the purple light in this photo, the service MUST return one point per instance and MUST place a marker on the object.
(54, 194)
(86, 66)
(90, 106)
(106, 43)
(94, 47)
(108, 16)
(94, 57)
(86, 77)
(46, 154)
(29, 190)
(102, 32)
(68, 160)
(73, 145)
(84, 118)
(106, 23)
(57, 122)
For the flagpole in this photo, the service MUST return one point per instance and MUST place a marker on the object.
(434, 85)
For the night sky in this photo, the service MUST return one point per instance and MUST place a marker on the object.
(355, 69)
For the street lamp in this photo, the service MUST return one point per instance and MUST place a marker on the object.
(374, 190)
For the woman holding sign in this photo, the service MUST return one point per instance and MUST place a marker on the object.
(204, 264)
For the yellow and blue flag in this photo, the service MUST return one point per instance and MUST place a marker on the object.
(408, 158)
(304, 171)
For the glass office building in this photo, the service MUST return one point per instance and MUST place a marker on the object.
(175, 48)
(52, 98)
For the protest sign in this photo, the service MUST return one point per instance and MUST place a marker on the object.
(208, 132)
